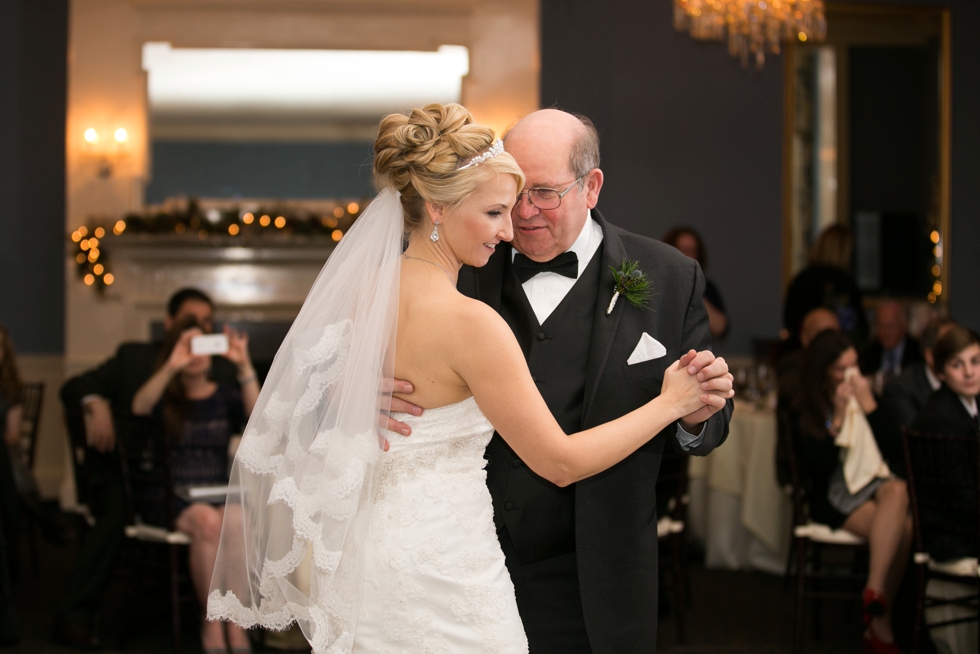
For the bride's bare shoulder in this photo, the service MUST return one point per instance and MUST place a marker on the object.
(476, 322)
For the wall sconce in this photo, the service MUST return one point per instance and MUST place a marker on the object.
(107, 153)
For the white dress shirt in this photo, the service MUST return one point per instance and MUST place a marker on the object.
(934, 381)
(546, 290)
(970, 404)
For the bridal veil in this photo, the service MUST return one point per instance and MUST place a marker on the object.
(300, 488)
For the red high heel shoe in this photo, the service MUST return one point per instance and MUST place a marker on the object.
(875, 604)
(875, 645)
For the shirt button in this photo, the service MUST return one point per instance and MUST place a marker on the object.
(508, 505)
(541, 336)
(516, 463)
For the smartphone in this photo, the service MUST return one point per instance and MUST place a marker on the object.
(209, 344)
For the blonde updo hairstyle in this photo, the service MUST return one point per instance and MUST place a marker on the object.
(419, 155)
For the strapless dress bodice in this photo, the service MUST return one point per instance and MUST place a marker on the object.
(447, 439)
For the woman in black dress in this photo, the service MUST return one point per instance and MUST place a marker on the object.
(200, 416)
(691, 245)
(952, 410)
(879, 512)
(827, 282)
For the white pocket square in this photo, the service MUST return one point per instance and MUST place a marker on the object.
(648, 348)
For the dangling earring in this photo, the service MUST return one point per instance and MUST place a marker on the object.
(434, 236)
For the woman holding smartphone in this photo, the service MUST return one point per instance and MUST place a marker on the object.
(200, 416)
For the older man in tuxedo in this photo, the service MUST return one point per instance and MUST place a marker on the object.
(584, 558)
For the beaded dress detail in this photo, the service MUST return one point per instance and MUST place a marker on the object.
(434, 579)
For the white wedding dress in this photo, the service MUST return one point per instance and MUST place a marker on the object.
(434, 579)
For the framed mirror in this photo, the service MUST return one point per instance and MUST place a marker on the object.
(867, 125)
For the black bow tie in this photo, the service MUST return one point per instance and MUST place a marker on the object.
(564, 264)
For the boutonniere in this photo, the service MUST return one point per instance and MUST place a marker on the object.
(631, 283)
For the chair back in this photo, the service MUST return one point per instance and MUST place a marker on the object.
(144, 454)
(787, 441)
(75, 426)
(943, 474)
(33, 400)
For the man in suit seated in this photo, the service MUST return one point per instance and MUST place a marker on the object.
(893, 349)
(99, 393)
(905, 395)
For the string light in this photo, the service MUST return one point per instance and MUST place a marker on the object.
(94, 270)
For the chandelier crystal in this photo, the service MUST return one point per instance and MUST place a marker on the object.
(752, 26)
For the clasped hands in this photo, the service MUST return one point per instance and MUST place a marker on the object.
(711, 371)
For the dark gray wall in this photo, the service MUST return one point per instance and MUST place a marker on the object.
(33, 63)
(688, 136)
(260, 170)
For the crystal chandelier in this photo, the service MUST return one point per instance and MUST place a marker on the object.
(753, 26)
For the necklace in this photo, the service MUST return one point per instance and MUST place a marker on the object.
(432, 263)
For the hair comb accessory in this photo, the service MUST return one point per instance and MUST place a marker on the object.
(496, 148)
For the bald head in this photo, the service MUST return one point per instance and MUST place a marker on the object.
(558, 151)
(562, 134)
(816, 321)
(890, 324)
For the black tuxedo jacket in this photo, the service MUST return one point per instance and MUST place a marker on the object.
(944, 413)
(615, 511)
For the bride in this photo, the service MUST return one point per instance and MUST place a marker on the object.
(394, 549)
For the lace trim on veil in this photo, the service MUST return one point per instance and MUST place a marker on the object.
(291, 542)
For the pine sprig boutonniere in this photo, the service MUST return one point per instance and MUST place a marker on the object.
(631, 283)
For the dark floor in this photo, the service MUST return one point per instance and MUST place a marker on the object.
(729, 612)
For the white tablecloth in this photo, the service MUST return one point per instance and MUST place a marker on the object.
(737, 510)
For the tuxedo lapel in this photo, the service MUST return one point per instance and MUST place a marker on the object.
(605, 327)
(489, 279)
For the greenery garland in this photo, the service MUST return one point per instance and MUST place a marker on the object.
(191, 223)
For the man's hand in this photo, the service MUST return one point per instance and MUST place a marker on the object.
(398, 405)
(100, 433)
(715, 380)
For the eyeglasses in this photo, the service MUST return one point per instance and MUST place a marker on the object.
(547, 198)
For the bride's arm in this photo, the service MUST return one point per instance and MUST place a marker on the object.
(488, 358)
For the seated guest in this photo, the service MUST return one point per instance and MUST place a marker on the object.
(953, 410)
(827, 282)
(905, 395)
(879, 511)
(200, 417)
(98, 393)
(791, 365)
(893, 349)
(691, 245)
